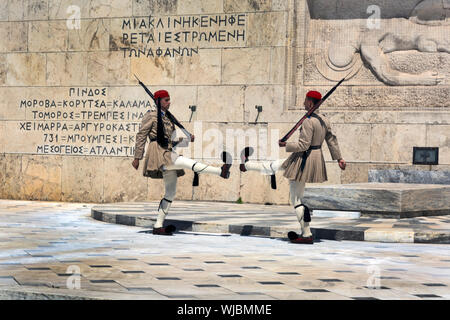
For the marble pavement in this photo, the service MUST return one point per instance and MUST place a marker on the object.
(46, 245)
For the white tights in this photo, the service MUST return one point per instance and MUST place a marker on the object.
(296, 189)
(170, 183)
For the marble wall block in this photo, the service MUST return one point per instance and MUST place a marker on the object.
(394, 143)
(41, 177)
(267, 29)
(248, 192)
(335, 117)
(220, 103)
(385, 117)
(2, 169)
(20, 141)
(9, 104)
(432, 118)
(13, 36)
(438, 136)
(278, 66)
(271, 98)
(67, 69)
(26, 69)
(122, 183)
(264, 194)
(3, 69)
(201, 69)
(2, 139)
(35, 9)
(4, 11)
(213, 138)
(281, 194)
(155, 189)
(106, 68)
(82, 179)
(59, 9)
(181, 98)
(16, 9)
(246, 5)
(354, 142)
(275, 132)
(158, 71)
(110, 8)
(280, 5)
(47, 36)
(354, 173)
(237, 136)
(236, 64)
(12, 176)
(150, 7)
(4, 36)
(94, 35)
(410, 176)
(184, 186)
(199, 6)
(334, 175)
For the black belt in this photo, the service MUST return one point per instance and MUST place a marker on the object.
(306, 155)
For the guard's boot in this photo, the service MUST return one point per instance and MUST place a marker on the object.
(295, 238)
(304, 217)
(304, 240)
(166, 231)
(245, 154)
(227, 161)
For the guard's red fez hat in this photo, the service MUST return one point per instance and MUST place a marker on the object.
(314, 94)
(161, 94)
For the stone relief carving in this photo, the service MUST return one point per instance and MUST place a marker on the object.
(425, 31)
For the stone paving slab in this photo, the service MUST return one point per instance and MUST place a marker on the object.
(275, 221)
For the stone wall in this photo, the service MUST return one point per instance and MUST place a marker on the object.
(74, 85)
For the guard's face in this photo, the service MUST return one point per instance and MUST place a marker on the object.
(308, 104)
(165, 103)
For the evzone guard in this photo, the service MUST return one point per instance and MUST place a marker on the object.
(161, 161)
(306, 163)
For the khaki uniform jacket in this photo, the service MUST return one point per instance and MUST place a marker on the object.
(156, 157)
(313, 132)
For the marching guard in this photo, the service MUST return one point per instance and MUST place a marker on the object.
(305, 165)
(162, 162)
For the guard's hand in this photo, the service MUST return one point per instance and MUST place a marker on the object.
(282, 143)
(342, 164)
(135, 163)
(192, 138)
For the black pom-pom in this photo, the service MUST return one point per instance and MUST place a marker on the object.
(195, 181)
(307, 215)
(226, 158)
(247, 152)
(292, 235)
(273, 182)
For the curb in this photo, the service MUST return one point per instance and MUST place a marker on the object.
(343, 233)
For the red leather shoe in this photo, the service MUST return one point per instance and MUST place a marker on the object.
(167, 231)
(307, 240)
